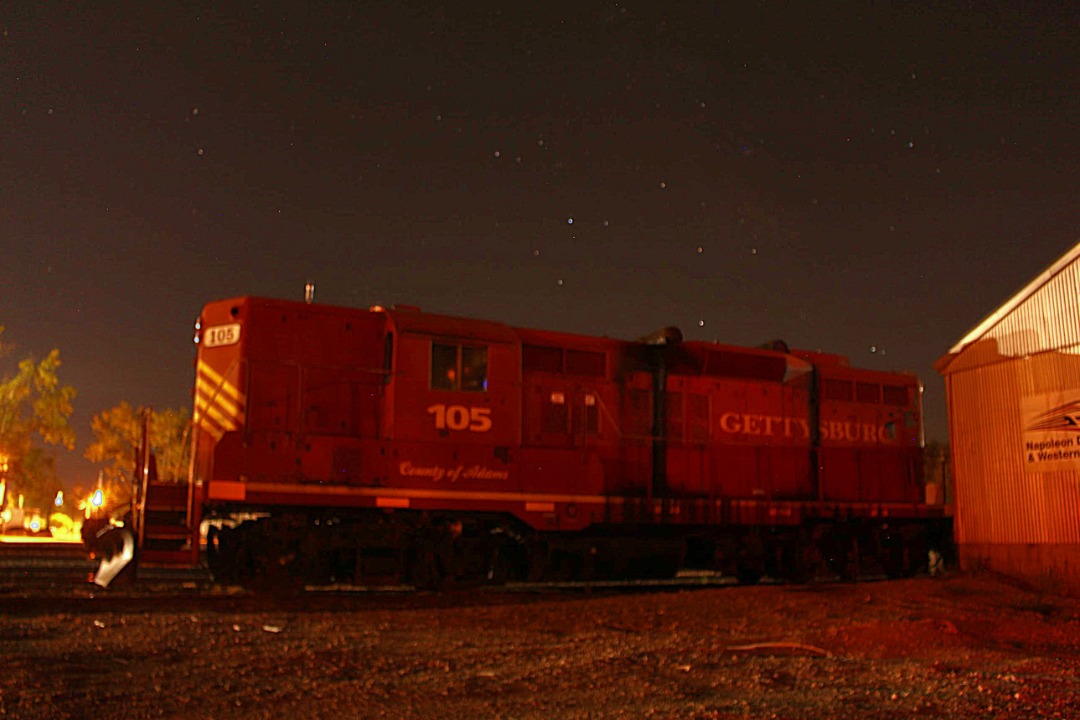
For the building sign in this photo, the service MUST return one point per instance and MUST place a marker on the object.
(1051, 431)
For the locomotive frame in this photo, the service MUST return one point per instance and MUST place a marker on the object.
(391, 444)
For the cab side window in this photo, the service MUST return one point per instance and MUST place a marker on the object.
(444, 371)
(458, 367)
(473, 369)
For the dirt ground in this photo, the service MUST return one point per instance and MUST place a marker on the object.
(954, 647)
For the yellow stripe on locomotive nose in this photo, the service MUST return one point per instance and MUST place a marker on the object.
(224, 421)
(218, 383)
(210, 395)
(219, 405)
(208, 426)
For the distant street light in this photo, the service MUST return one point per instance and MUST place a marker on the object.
(3, 479)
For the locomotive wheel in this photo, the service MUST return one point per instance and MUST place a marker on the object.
(658, 561)
(748, 573)
(798, 559)
(750, 562)
(507, 559)
(891, 551)
(918, 547)
(538, 556)
(841, 553)
(550, 562)
(428, 558)
(427, 572)
(221, 554)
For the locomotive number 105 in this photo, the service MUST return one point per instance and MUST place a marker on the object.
(459, 417)
(219, 335)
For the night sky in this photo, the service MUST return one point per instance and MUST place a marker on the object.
(865, 178)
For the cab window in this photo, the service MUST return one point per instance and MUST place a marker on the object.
(458, 367)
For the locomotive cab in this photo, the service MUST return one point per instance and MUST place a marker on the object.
(453, 403)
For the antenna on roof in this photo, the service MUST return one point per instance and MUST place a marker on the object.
(309, 292)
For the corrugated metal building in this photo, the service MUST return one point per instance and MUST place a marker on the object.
(1013, 391)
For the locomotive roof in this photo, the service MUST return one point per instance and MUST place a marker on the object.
(410, 319)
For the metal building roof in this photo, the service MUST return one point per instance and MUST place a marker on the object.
(995, 318)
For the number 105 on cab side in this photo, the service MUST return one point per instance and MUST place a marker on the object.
(459, 417)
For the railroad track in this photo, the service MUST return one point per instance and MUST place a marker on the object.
(27, 563)
(37, 566)
(34, 564)
(682, 580)
(44, 565)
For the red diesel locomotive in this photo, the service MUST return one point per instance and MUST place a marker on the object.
(360, 445)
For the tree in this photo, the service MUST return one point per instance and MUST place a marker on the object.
(118, 436)
(34, 410)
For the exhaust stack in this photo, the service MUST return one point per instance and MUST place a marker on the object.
(669, 335)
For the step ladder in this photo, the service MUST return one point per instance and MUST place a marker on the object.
(167, 531)
(164, 523)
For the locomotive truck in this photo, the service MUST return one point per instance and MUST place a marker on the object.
(394, 445)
